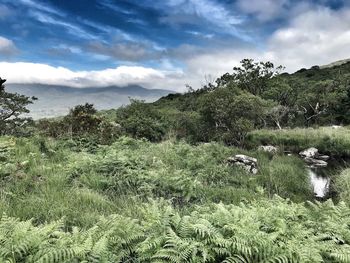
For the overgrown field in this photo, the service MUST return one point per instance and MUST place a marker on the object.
(136, 201)
(326, 139)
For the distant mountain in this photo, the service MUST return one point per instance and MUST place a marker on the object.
(57, 100)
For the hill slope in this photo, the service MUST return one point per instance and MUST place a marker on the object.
(57, 100)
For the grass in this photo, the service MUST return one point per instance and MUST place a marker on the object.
(342, 185)
(328, 140)
(136, 201)
(46, 179)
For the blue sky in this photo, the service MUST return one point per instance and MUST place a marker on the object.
(163, 44)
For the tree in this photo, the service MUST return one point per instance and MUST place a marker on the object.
(82, 119)
(141, 120)
(251, 76)
(12, 105)
(320, 99)
(229, 114)
(280, 91)
(81, 124)
(277, 113)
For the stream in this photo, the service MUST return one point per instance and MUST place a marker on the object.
(320, 177)
(320, 183)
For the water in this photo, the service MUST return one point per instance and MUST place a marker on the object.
(319, 183)
(321, 177)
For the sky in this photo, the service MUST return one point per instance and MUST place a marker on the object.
(164, 44)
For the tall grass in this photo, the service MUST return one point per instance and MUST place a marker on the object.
(287, 177)
(46, 179)
(342, 185)
(328, 140)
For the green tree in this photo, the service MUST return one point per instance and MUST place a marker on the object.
(141, 120)
(281, 91)
(229, 114)
(12, 105)
(320, 99)
(251, 76)
(277, 114)
(82, 119)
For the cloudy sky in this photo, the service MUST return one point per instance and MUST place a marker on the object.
(166, 43)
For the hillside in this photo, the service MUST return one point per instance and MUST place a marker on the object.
(252, 97)
(329, 72)
(57, 100)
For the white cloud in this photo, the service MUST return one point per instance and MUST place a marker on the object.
(21, 72)
(198, 12)
(42, 7)
(263, 9)
(73, 29)
(7, 47)
(314, 37)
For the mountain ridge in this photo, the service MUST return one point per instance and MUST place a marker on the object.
(56, 100)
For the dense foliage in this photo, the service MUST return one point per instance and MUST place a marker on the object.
(137, 201)
(264, 231)
(39, 175)
(253, 96)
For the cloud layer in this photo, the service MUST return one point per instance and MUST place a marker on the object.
(164, 45)
(21, 72)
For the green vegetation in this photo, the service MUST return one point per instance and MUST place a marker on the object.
(12, 105)
(264, 231)
(254, 96)
(342, 185)
(47, 175)
(150, 182)
(327, 139)
(167, 202)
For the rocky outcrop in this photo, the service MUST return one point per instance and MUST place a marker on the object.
(313, 158)
(250, 164)
(268, 148)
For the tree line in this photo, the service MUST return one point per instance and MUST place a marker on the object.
(254, 95)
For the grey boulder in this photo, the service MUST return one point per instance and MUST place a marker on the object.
(248, 163)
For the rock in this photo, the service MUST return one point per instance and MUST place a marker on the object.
(323, 157)
(309, 153)
(268, 148)
(312, 157)
(314, 163)
(336, 126)
(254, 170)
(250, 164)
(245, 159)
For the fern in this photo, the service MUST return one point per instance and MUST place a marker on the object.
(274, 231)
